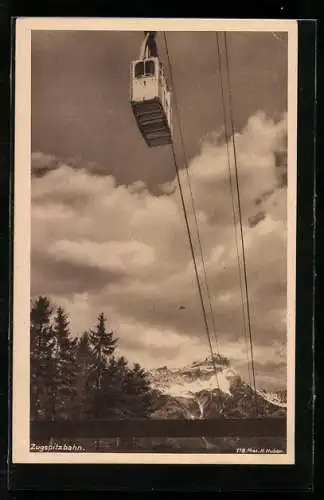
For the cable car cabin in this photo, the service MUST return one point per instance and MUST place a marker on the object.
(151, 101)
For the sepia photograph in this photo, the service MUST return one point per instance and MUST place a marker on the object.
(154, 241)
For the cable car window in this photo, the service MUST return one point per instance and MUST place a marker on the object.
(149, 68)
(146, 68)
(139, 69)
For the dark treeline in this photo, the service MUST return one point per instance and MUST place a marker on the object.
(81, 377)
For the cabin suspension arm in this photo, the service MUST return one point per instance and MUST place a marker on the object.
(149, 47)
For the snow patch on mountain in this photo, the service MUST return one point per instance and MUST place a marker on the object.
(273, 398)
(200, 376)
(189, 389)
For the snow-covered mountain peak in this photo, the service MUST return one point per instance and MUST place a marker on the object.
(202, 378)
(203, 375)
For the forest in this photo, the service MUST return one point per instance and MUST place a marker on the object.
(81, 376)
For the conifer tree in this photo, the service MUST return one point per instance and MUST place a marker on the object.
(114, 403)
(140, 397)
(101, 341)
(65, 357)
(84, 364)
(102, 344)
(42, 363)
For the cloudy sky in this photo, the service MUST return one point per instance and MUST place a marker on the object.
(108, 230)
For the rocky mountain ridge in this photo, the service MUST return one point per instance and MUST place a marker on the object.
(211, 388)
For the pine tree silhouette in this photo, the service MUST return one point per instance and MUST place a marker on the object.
(84, 381)
(102, 345)
(42, 362)
(140, 397)
(66, 369)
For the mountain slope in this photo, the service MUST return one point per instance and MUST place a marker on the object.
(210, 389)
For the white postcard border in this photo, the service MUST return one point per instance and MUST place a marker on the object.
(22, 236)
